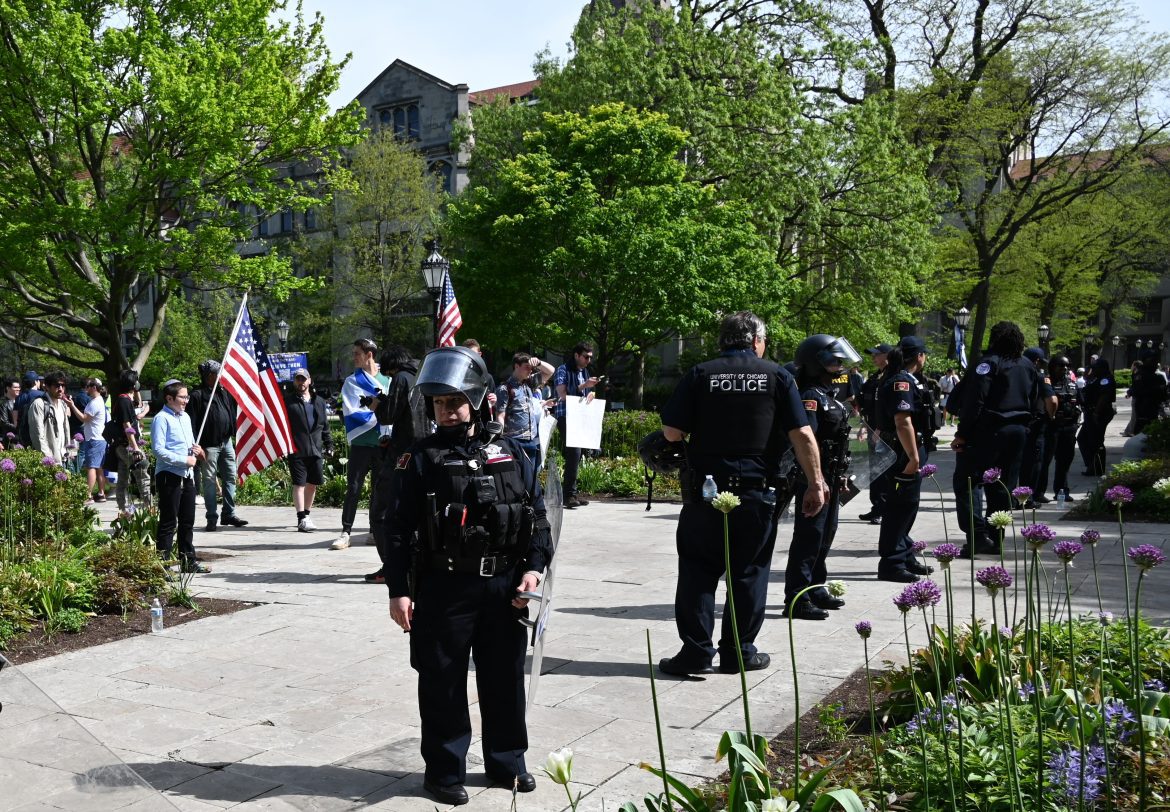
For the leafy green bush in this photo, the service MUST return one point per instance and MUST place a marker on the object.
(69, 620)
(268, 487)
(1123, 377)
(1158, 437)
(60, 583)
(136, 523)
(127, 569)
(621, 431)
(622, 476)
(38, 501)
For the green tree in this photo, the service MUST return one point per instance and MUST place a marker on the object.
(369, 247)
(593, 231)
(1026, 106)
(139, 141)
(834, 190)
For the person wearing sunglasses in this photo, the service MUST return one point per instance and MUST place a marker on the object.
(572, 379)
(48, 418)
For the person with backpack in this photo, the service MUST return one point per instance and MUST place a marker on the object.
(30, 390)
(47, 418)
(123, 435)
(520, 406)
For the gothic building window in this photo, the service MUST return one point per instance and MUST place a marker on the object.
(402, 119)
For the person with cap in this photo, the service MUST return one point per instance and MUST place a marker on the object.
(903, 423)
(93, 446)
(175, 456)
(213, 412)
(476, 505)
(123, 435)
(946, 385)
(869, 401)
(819, 361)
(405, 417)
(1032, 463)
(309, 427)
(741, 413)
(1148, 391)
(31, 389)
(1060, 441)
(999, 404)
(48, 418)
(1097, 398)
(362, 432)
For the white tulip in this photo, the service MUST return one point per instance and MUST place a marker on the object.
(559, 766)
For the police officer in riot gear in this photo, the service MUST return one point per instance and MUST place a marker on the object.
(1097, 398)
(869, 406)
(1061, 438)
(741, 413)
(820, 360)
(1033, 472)
(905, 423)
(477, 506)
(999, 403)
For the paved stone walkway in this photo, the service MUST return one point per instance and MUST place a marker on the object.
(308, 702)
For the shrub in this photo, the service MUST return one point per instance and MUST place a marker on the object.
(133, 561)
(621, 431)
(61, 583)
(117, 594)
(622, 476)
(268, 487)
(136, 523)
(36, 505)
(1158, 436)
(69, 620)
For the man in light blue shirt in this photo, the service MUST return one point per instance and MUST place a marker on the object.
(176, 455)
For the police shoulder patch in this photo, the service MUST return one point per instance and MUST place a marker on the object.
(810, 405)
(901, 386)
(403, 461)
(1104, 381)
(903, 406)
(983, 368)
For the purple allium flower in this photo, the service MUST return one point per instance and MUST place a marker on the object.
(1119, 495)
(1146, 556)
(78, 437)
(18, 447)
(930, 469)
(1104, 618)
(1090, 537)
(1065, 772)
(994, 578)
(1027, 690)
(946, 553)
(48, 462)
(924, 593)
(26, 482)
(1023, 493)
(131, 431)
(10, 436)
(7, 465)
(991, 475)
(904, 600)
(1038, 535)
(61, 476)
(1066, 551)
(1155, 685)
(918, 546)
(864, 629)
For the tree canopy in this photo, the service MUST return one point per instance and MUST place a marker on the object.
(140, 140)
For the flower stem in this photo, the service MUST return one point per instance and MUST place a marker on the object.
(877, 762)
(1138, 689)
(942, 706)
(747, 714)
(955, 677)
(917, 709)
(657, 728)
(795, 690)
(971, 546)
(942, 509)
(1096, 578)
(1005, 710)
(1072, 664)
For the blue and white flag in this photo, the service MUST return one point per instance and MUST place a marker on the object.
(357, 418)
(960, 350)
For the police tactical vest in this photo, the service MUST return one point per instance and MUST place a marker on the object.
(736, 409)
(483, 505)
(1068, 411)
(832, 428)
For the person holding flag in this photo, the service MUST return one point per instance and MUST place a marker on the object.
(361, 429)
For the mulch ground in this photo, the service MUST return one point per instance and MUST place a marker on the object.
(35, 644)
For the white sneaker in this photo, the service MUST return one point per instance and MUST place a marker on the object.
(306, 525)
(341, 543)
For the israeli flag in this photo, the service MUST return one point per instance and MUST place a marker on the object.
(357, 418)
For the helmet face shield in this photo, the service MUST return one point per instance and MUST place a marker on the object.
(451, 370)
(839, 353)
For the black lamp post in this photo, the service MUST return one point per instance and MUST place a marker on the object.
(434, 268)
(1044, 332)
(1116, 342)
(282, 333)
(962, 319)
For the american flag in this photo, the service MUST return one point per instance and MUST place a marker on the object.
(262, 430)
(450, 319)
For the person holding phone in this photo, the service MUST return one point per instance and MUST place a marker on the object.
(572, 379)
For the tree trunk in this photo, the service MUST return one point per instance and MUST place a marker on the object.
(637, 383)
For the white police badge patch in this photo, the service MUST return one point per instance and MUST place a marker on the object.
(904, 406)
(983, 368)
(1104, 381)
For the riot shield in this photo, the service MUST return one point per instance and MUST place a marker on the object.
(48, 760)
(542, 601)
(869, 463)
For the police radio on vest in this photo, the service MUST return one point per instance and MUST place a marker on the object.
(738, 382)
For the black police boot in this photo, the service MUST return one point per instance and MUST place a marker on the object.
(453, 794)
(900, 575)
(805, 610)
(524, 782)
(823, 600)
(918, 568)
(873, 517)
(210, 526)
(756, 662)
(678, 668)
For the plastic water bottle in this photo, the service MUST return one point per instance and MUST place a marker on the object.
(710, 489)
(156, 617)
(1061, 498)
(770, 496)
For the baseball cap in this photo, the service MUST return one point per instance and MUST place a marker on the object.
(301, 372)
(1035, 354)
(880, 349)
(31, 376)
(908, 344)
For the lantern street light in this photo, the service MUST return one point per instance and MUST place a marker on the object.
(1044, 332)
(1116, 342)
(962, 319)
(282, 333)
(434, 268)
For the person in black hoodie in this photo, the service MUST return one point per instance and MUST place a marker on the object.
(311, 442)
(217, 417)
(406, 414)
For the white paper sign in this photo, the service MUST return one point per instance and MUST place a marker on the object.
(548, 424)
(583, 422)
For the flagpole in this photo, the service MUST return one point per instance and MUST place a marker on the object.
(215, 386)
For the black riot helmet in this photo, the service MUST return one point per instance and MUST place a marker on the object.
(661, 455)
(817, 352)
(454, 370)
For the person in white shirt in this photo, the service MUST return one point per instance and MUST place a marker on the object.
(93, 446)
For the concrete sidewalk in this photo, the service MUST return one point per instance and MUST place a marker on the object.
(308, 702)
